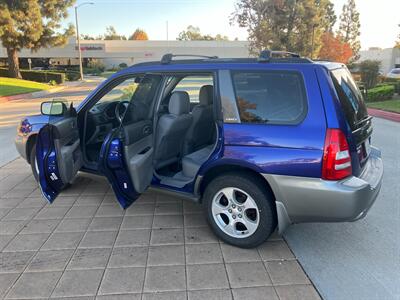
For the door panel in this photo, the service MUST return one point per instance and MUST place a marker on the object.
(126, 156)
(113, 166)
(128, 167)
(139, 154)
(58, 154)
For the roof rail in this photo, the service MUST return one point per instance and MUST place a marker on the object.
(266, 55)
(167, 58)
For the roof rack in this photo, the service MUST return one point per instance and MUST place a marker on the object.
(167, 58)
(266, 55)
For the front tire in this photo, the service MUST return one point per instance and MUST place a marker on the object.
(240, 209)
(34, 166)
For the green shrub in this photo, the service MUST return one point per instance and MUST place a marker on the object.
(72, 75)
(94, 67)
(369, 70)
(380, 93)
(38, 76)
(395, 82)
(122, 65)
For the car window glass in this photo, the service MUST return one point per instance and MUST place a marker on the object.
(141, 98)
(350, 97)
(269, 96)
(192, 85)
(121, 92)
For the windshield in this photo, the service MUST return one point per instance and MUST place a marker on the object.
(350, 97)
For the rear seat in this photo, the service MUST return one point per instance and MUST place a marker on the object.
(192, 162)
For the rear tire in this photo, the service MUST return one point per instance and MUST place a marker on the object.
(32, 159)
(240, 209)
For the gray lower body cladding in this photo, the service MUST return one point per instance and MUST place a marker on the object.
(304, 199)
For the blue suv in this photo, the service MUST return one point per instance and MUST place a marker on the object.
(260, 143)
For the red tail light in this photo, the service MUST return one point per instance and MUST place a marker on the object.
(336, 163)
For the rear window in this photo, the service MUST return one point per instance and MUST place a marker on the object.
(270, 96)
(350, 97)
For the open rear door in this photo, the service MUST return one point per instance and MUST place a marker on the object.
(126, 156)
(58, 152)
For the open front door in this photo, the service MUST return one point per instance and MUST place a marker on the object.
(126, 156)
(58, 152)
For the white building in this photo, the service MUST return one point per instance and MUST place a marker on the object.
(112, 53)
(389, 57)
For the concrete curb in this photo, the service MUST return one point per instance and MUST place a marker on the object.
(391, 116)
(32, 95)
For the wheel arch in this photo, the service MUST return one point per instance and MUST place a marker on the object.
(219, 170)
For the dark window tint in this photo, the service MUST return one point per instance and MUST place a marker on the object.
(142, 96)
(270, 96)
(350, 97)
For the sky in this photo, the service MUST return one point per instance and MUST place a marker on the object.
(379, 19)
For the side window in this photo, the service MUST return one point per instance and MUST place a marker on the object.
(192, 85)
(141, 98)
(270, 96)
(121, 92)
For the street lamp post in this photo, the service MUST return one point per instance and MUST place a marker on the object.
(78, 39)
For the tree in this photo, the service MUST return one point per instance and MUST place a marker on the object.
(330, 17)
(139, 35)
(292, 25)
(349, 27)
(369, 70)
(397, 45)
(32, 24)
(334, 49)
(111, 34)
(193, 33)
(86, 37)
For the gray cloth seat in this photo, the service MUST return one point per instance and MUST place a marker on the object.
(171, 130)
(201, 132)
(191, 163)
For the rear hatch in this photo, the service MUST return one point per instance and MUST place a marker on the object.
(355, 112)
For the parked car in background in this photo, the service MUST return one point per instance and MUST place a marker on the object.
(394, 73)
(261, 143)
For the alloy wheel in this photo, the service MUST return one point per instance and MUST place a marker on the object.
(235, 212)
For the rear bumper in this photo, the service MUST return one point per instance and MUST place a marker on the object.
(302, 199)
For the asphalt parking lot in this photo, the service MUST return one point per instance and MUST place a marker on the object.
(84, 245)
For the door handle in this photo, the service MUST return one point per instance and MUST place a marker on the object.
(147, 130)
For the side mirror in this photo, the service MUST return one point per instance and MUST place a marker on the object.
(53, 108)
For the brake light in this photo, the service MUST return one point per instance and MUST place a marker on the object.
(336, 163)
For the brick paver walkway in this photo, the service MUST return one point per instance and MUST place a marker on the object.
(84, 245)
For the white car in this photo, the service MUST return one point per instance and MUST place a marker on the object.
(394, 73)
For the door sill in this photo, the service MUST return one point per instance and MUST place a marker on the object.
(182, 195)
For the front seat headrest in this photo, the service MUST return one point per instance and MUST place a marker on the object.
(206, 95)
(179, 103)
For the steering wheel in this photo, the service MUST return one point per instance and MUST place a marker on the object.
(120, 109)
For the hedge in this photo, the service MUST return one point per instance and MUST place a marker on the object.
(380, 93)
(38, 76)
(395, 82)
(70, 75)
